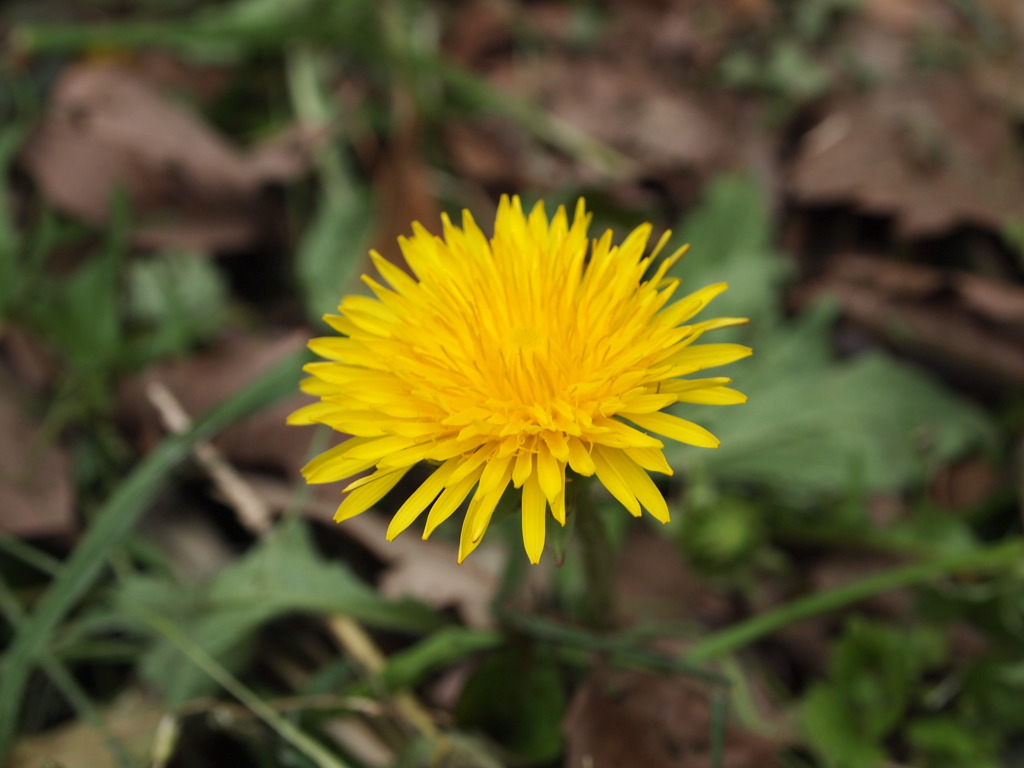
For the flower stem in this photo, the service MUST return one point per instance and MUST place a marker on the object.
(746, 632)
(598, 563)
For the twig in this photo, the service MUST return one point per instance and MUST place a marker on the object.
(360, 646)
(253, 513)
(256, 515)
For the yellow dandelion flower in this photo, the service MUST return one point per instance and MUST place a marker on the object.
(510, 360)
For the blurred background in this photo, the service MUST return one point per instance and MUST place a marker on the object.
(188, 186)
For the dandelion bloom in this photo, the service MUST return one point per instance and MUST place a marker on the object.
(507, 361)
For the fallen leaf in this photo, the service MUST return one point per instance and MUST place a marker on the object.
(263, 440)
(134, 719)
(33, 364)
(907, 16)
(965, 484)
(973, 321)
(488, 151)
(653, 583)
(630, 718)
(107, 128)
(659, 125)
(932, 154)
(36, 494)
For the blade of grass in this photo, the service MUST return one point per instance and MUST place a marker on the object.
(28, 554)
(284, 728)
(731, 639)
(65, 682)
(719, 712)
(622, 651)
(115, 521)
(543, 125)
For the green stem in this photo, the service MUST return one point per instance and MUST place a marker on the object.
(598, 563)
(740, 635)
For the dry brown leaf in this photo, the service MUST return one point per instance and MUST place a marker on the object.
(931, 154)
(653, 583)
(629, 718)
(969, 320)
(908, 16)
(107, 128)
(631, 109)
(32, 362)
(134, 719)
(262, 441)
(488, 151)
(965, 484)
(36, 494)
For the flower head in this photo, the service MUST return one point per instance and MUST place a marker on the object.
(507, 361)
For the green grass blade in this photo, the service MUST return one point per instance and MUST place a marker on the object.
(115, 521)
(65, 681)
(1005, 555)
(308, 746)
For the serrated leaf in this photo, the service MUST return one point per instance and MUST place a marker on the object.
(872, 420)
(283, 574)
(813, 425)
(730, 241)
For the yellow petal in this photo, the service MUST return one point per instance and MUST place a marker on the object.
(651, 459)
(534, 507)
(713, 396)
(702, 356)
(550, 474)
(418, 500)
(638, 482)
(579, 458)
(333, 464)
(611, 480)
(368, 494)
(675, 428)
(481, 508)
(523, 468)
(314, 414)
(449, 501)
(496, 473)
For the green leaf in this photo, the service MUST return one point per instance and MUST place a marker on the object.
(826, 723)
(333, 252)
(517, 696)
(178, 297)
(730, 241)
(282, 574)
(811, 433)
(441, 649)
(111, 525)
(813, 424)
(947, 742)
(869, 689)
(333, 249)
